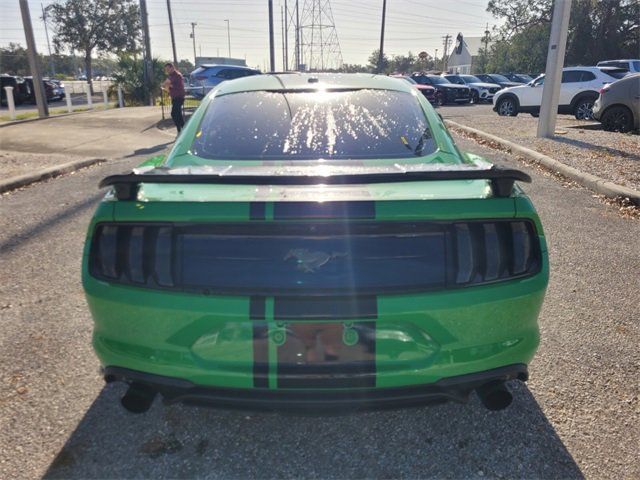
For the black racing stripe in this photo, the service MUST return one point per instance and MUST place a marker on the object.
(257, 210)
(317, 353)
(326, 308)
(257, 307)
(324, 210)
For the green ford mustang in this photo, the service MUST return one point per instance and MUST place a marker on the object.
(315, 242)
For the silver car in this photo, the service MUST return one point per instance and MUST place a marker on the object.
(618, 106)
(204, 78)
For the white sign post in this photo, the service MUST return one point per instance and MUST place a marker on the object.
(89, 99)
(10, 103)
(68, 99)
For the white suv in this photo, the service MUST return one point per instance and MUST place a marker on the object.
(579, 89)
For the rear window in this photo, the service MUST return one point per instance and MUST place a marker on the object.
(311, 125)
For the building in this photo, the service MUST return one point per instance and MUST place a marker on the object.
(464, 56)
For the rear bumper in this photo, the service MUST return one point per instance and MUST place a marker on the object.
(457, 388)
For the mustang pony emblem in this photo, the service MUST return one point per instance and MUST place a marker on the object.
(309, 261)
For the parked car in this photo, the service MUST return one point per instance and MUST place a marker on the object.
(48, 90)
(320, 252)
(204, 78)
(428, 91)
(447, 92)
(19, 89)
(632, 66)
(618, 105)
(519, 77)
(501, 80)
(578, 92)
(58, 88)
(480, 91)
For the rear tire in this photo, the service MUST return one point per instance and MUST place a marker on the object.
(475, 98)
(506, 107)
(439, 99)
(617, 119)
(583, 109)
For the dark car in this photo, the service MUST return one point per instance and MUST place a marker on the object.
(19, 89)
(518, 77)
(480, 91)
(428, 91)
(49, 90)
(501, 80)
(206, 77)
(447, 92)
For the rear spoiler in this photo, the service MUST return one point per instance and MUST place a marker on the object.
(502, 179)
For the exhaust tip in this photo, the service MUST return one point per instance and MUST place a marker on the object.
(138, 398)
(495, 395)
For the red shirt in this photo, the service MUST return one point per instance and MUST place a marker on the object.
(176, 89)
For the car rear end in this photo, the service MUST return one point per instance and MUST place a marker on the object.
(202, 80)
(306, 285)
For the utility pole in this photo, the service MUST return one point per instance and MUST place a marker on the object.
(34, 66)
(46, 32)
(272, 47)
(381, 51)
(286, 36)
(553, 72)
(435, 60)
(173, 37)
(148, 67)
(297, 37)
(447, 43)
(193, 35)
(284, 54)
(228, 38)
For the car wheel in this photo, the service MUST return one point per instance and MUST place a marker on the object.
(535, 114)
(475, 98)
(617, 119)
(507, 107)
(584, 109)
(439, 99)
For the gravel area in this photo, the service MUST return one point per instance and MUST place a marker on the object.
(13, 163)
(578, 143)
(577, 417)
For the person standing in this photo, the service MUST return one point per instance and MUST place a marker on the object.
(174, 84)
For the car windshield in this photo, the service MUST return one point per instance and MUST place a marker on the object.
(524, 78)
(438, 80)
(470, 79)
(312, 125)
(499, 78)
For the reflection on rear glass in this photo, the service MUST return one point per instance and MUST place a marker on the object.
(354, 124)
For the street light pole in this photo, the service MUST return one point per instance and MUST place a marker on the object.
(553, 72)
(34, 66)
(173, 37)
(228, 38)
(46, 32)
(272, 47)
(381, 51)
(193, 35)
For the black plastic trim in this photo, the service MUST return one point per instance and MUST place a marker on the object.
(502, 179)
(456, 388)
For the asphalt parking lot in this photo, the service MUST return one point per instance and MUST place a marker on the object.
(578, 416)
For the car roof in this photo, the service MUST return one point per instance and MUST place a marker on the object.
(213, 65)
(306, 81)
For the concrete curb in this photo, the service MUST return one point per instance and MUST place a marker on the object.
(597, 184)
(24, 180)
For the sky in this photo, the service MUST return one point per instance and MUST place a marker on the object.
(411, 25)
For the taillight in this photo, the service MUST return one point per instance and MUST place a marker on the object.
(490, 251)
(603, 90)
(384, 256)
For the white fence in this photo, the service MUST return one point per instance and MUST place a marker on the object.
(80, 86)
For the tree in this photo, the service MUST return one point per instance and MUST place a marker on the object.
(14, 60)
(104, 26)
(130, 76)
(373, 62)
